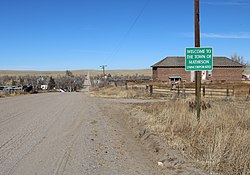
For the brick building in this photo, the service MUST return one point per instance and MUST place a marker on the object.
(173, 69)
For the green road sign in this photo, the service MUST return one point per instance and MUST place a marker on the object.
(199, 59)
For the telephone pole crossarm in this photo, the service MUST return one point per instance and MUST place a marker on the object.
(103, 69)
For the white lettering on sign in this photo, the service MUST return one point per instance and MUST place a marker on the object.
(199, 56)
(196, 51)
(209, 50)
(198, 61)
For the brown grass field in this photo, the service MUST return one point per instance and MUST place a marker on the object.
(219, 143)
(145, 72)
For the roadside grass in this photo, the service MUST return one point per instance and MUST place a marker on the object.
(3, 94)
(220, 142)
(7, 94)
(18, 93)
(118, 92)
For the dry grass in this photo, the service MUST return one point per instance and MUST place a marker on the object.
(220, 142)
(6, 94)
(145, 72)
(3, 94)
(118, 92)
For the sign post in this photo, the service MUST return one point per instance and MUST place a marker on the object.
(198, 59)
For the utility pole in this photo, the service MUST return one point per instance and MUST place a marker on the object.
(197, 44)
(103, 69)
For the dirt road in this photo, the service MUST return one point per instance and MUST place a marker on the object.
(66, 133)
(71, 133)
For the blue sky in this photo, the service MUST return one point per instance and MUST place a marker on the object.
(84, 34)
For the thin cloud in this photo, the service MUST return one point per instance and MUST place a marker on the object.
(235, 3)
(226, 36)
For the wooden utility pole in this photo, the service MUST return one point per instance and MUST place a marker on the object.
(103, 69)
(197, 44)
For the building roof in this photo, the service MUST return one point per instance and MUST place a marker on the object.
(180, 62)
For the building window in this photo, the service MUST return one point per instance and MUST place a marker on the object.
(174, 78)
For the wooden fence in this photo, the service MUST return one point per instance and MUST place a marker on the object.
(185, 89)
(180, 91)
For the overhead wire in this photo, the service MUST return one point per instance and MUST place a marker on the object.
(116, 50)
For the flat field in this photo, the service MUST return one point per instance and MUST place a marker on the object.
(145, 72)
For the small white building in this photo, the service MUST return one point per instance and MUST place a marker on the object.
(44, 87)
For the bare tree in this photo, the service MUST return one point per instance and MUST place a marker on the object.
(69, 73)
(239, 59)
(51, 83)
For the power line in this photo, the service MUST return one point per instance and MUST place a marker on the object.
(103, 69)
(116, 50)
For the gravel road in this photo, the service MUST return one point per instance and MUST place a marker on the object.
(67, 133)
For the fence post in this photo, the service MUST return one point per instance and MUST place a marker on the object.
(184, 89)
(227, 92)
(146, 89)
(126, 85)
(233, 90)
(178, 90)
(150, 90)
(204, 91)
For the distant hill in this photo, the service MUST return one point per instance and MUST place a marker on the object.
(145, 72)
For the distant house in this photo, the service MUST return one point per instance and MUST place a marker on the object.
(173, 69)
(11, 89)
(44, 87)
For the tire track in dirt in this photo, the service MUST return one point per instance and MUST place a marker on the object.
(25, 139)
(12, 116)
(53, 136)
(40, 140)
(12, 145)
(63, 161)
(17, 140)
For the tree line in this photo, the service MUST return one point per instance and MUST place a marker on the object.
(67, 82)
